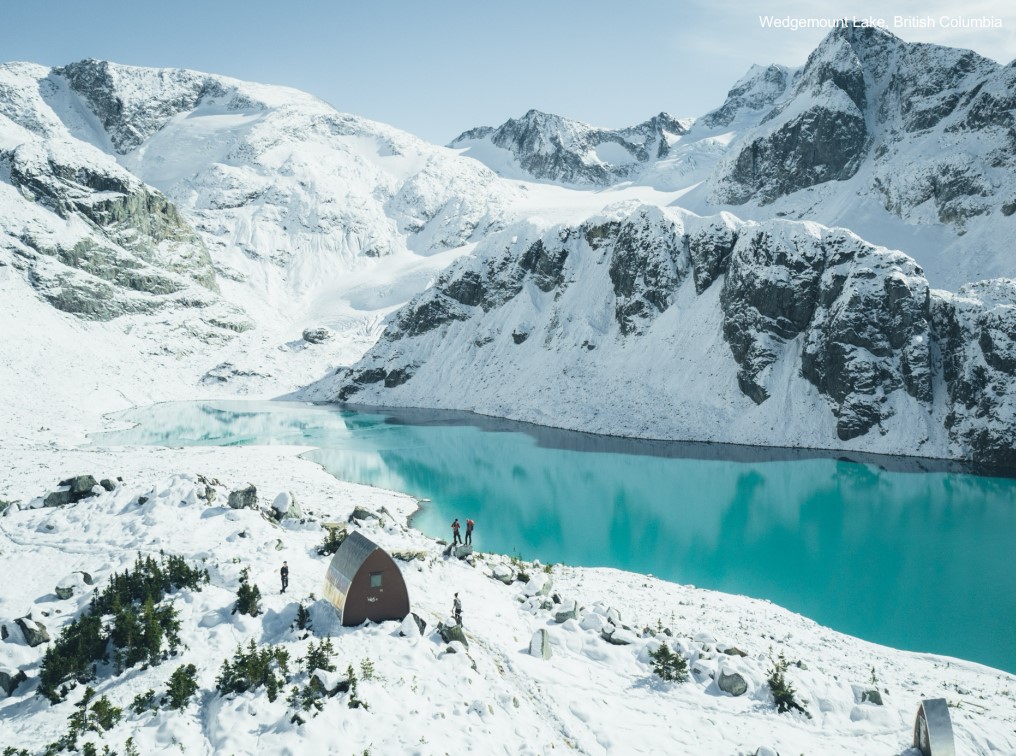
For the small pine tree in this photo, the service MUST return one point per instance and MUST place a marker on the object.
(143, 702)
(319, 657)
(248, 596)
(367, 669)
(783, 691)
(670, 666)
(182, 686)
(302, 617)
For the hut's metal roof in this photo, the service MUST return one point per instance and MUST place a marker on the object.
(348, 559)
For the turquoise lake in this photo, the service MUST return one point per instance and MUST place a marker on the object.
(906, 553)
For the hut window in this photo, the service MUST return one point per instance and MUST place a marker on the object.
(375, 579)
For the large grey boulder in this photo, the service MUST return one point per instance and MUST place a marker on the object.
(504, 573)
(734, 683)
(539, 584)
(72, 584)
(80, 485)
(35, 633)
(566, 610)
(57, 499)
(244, 498)
(452, 632)
(284, 507)
(10, 680)
(539, 646)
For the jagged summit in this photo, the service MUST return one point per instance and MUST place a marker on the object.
(550, 147)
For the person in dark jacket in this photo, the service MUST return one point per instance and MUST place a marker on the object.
(469, 532)
(285, 576)
(456, 538)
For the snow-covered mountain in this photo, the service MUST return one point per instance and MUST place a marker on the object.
(658, 323)
(548, 147)
(205, 215)
(910, 145)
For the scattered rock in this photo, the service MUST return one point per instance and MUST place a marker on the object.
(539, 646)
(504, 573)
(107, 484)
(871, 696)
(34, 632)
(538, 585)
(410, 628)
(73, 583)
(10, 680)
(452, 632)
(766, 751)
(4, 635)
(284, 507)
(617, 636)
(362, 513)
(566, 610)
(461, 552)
(734, 651)
(317, 335)
(80, 485)
(409, 555)
(244, 498)
(593, 621)
(57, 499)
(734, 684)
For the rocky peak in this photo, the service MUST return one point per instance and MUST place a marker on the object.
(133, 103)
(757, 90)
(551, 147)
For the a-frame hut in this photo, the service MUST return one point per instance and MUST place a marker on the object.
(364, 583)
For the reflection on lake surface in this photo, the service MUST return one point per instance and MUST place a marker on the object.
(916, 556)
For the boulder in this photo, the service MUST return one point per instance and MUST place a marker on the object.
(34, 632)
(734, 651)
(57, 499)
(504, 573)
(10, 680)
(362, 513)
(871, 696)
(409, 628)
(80, 486)
(734, 684)
(73, 583)
(593, 621)
(566, 610)
(618, 636)
(244, 498)
(317, 335)
(539, 646)
(766, 751)
(452, 632)
(461, 552)
(107, 484)
(538, 585)
(285, 507)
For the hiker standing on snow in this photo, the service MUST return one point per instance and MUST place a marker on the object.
(469, 532)
(285, 576)
(456, 538)
(457, 610)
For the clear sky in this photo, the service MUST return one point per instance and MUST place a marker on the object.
(437, 68)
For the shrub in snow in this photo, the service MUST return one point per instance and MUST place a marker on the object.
(182, 685)
(248, 596)
(253, 668)
(668, 665)
(783, 691)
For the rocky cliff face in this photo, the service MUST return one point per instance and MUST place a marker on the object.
(654, 322)
(552, 148)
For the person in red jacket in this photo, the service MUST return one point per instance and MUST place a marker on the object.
(456, 538)
(469, 532)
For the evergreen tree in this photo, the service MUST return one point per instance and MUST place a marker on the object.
(669, 665)
(319, 657)
(248, 596)
(783, 692)
(182, 685)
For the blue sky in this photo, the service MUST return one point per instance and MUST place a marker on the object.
(438, 68)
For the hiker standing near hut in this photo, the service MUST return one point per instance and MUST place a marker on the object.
(284, 572)
(456, 538)
(469, 532)
(457, 610)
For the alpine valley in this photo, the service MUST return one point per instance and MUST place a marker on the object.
(823, 261)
